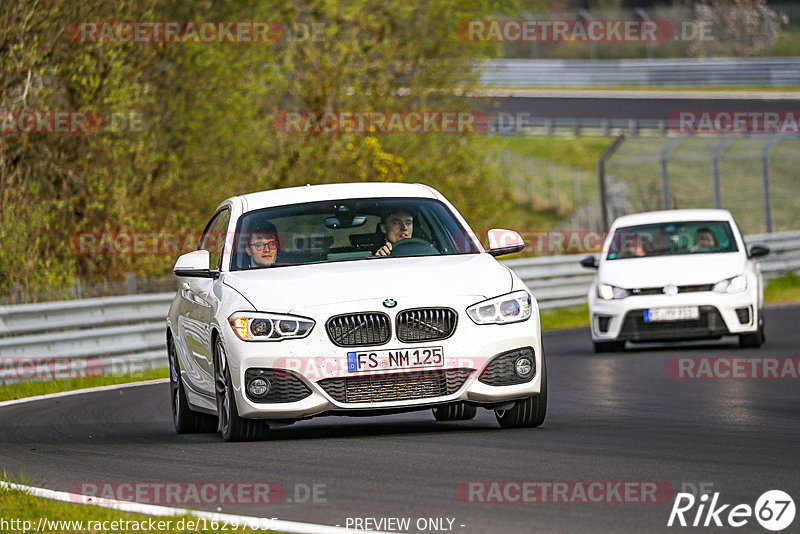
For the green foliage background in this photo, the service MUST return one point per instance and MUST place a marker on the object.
(210, 111)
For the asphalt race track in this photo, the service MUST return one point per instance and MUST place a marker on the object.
(617, 417)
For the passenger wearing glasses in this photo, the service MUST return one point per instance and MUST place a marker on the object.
(263, 246)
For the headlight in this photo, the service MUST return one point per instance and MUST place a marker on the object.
(505, 309)
(609, 292)
(258, 326)
(736, 284)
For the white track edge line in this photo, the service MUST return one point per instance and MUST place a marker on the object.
(261, 523)
(152, 509)
(84, 390)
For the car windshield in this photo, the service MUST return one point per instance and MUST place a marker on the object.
(670, 239)
(349, 229)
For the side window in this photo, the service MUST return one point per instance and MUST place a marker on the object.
(213, 239)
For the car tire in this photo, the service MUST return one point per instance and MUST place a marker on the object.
(750, 341)
(608, 346)
(755, 339)
(231, 426)
(526, 413)
(185, 420)
(460, 411)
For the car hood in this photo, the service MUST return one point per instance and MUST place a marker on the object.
(680, 270)
(283, 289)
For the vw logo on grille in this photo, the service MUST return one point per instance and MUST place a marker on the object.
(390, 303)
(670, 290)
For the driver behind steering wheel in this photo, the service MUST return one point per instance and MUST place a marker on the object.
(395, 225)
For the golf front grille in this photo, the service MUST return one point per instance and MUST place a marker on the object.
(641, 291)
(395, 387)
(359, 329)
(709, 325)
(425, 324)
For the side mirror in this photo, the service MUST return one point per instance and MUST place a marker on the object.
(503, 242)
(757, 251)
(194, 264)
(590, 262)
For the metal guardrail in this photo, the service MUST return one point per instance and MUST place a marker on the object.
(559, 281)
(519, 73)
(118, 333)
(127, 333)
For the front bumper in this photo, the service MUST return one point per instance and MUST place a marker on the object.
(720, 315)
(320, 366)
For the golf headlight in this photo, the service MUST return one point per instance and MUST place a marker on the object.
(504, 309)
(736, 284)
(258, 326)
(609, 292)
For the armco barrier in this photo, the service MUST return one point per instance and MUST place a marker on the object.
(559, 281)
(124, 333)
(529, 73)
(128, 330)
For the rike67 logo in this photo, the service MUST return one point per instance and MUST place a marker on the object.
(774, 510)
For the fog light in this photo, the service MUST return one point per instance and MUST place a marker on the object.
(258, 387)
(523, 367)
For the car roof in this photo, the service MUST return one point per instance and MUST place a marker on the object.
(315, 193)
(651, 217)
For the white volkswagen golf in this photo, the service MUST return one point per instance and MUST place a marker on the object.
(350, 299)
(675, 275)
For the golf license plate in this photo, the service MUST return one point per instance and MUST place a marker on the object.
(676, 313)
(379, 360)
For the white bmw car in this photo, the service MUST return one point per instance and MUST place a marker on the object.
(349, 299)
(675, 275)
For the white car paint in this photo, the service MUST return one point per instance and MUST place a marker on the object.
(678, 270)
(319, 291)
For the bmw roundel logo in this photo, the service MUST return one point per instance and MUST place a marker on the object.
(671, 290)
(390, 303)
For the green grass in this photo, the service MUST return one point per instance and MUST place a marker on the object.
(29, 389)
(581, 152)
(571, 317)
(20, 505)
(783, 289)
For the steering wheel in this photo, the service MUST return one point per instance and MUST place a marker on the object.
(413, 246)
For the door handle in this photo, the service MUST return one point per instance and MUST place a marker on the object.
(185, 286)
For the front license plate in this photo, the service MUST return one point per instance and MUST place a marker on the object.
(379, 360)
(677, 313)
